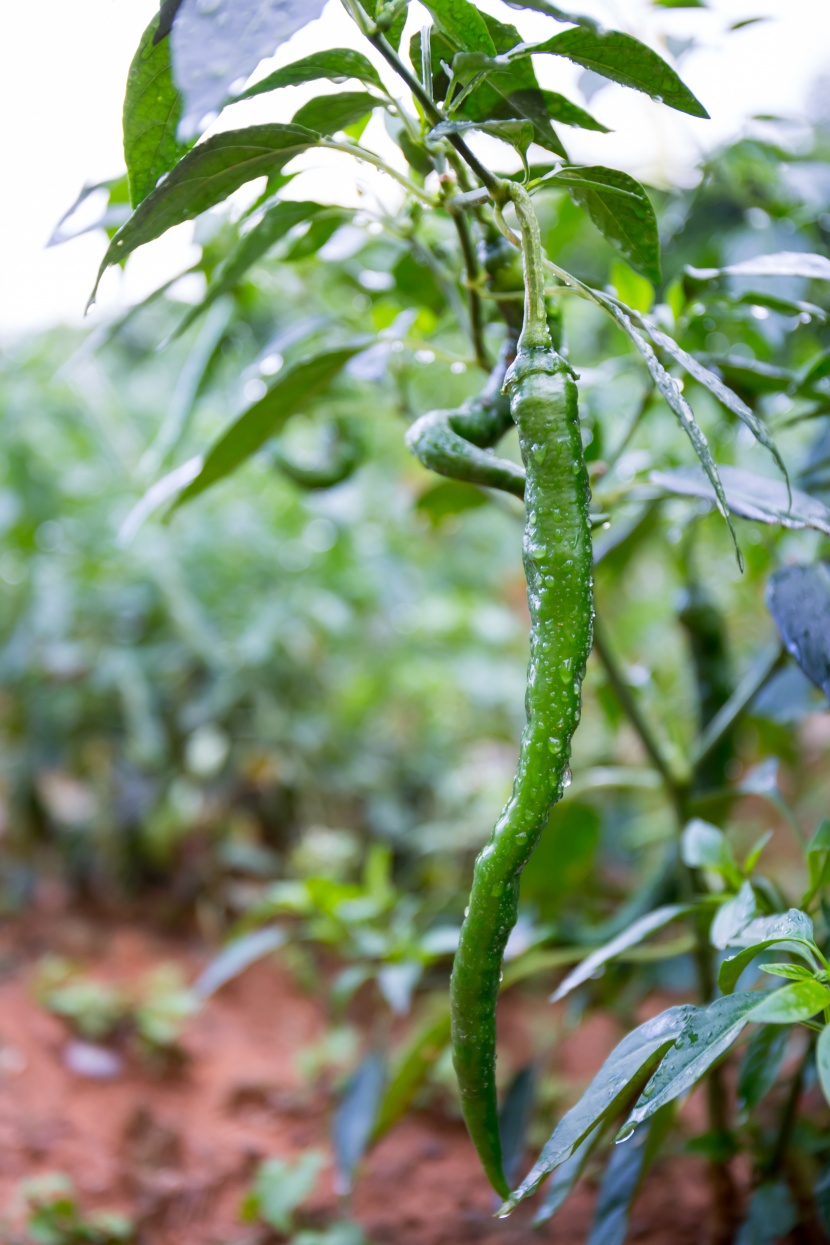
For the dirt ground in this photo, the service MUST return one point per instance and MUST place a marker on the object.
(177, 1153)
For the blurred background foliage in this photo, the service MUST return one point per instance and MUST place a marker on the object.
(308, 702)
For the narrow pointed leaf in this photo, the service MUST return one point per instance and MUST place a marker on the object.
(621, 58)
(564, 1178)
(619, 1079)
(234, 958)
(152, 111)
(792, 1004)
(751, 496)
(630, 937)
(515, 1115)
(560, 108)
(204, 177)
(329, 113)
(709, 1032)
(782, 264)
(355, 1118)
(732, 968)
(798, 597)
(760, 1065)
(627, 220)
(818, 857)
(335, 64)
(411, 1070)
(217, 46)
(621, 1181)
(463, 23)
(293, 389)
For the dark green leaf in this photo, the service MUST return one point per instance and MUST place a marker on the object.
(672, 394)
(515, 1115)
(336, 64)
(707, 1034)
(517, 133)
(392, 30)
(621, 1180)
(206, 176)
(792, 1004)
(753, 376)
(217, 46)
(449, 497)
(329, 113)
(620, 209)
(782, 264)
(749, 495)
(275, 224)
(772, 1216)
(721, 391)
(152, 111)
(624, 59)
(234, 958)
(818, 370)
(630, 937)
(564, 1179)
(292, 391)
(463, 23)
(784, 306)
(560, 108)
(619, 1079)
(798, 597)
(823, 1061)
(355, 1117)
(731, 969)
(411, 1070)
(316, 236)
(760, 1065)
(704, 846)
(818, 858)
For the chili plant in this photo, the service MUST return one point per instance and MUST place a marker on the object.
(469, 74)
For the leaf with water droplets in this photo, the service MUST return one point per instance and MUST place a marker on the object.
(709, 1032)
(463, 23)
(621, 58)
(751, 496)
(798, 597)
(731, 969)
(564, 1179)
(336, 64)
(217, 44)
(152, 108)
(792, 1004)
(558, 14)
(732, 917)
(630, 937)
(621, 210)
(619, 1079)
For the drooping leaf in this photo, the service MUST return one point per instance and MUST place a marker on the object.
(753, 376)
(672, 394)
(792, 1004)
(514, 1119)
(517, 133)
(621, 1181)
(275, 224)
(781, 264)
(234, 958)
(771, 1216)
(335, 64)
(621, 58)
(731, 968)
(626, 219)
(798, 597)
(355, 1117)
(216, 46)
(204, 177)
(152, 111)
(749, 495)
(619, 1079)
(329, 113)
(722, 392)
(823, 1061)
(564, 1178)
(707, 1034)
(411, 1070)
(760, 1065)
(463, 23)
(293, 389)
(630, 937)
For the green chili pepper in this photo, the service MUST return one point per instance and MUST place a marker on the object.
(340, 453)
(558, 560)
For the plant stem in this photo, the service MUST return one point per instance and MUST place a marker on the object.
(472, 273)
(363, 153)
(746, 691)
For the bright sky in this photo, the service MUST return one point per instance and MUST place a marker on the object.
(63, 68)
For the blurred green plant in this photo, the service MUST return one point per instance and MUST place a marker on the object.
(53, 1216)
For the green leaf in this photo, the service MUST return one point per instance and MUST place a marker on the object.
(354, 1120)
(292, 391)
(823, 1061)
(635, 291)
(516, 133)
(113, 214)
(630, 937)
(818, 858)
(152, 110)
(792, 1004)
(411, 1070)
(280, 1187)
(790, 924)
(218, 45)
(515, 1114)
(463, 23)
(620, 209)
(335, 64)
(704, 846)
(558, 14)
(707, 1034)
(621, 1182)
(623, 59)
(753, 376)
(234, 958)
(793, 972)
(732, 917)
(619, 1079)
(798, 597)
(731, 969)
(760, 1065)
(772, 1215)
(721, 391)
(449, 497)
(329, 113)
(781, 264)
(749, 495)
(672, 394)
(206, 176)
(275, 224)
(560, 108)
(565, 1177)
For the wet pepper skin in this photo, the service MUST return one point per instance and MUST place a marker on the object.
(557, 560)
